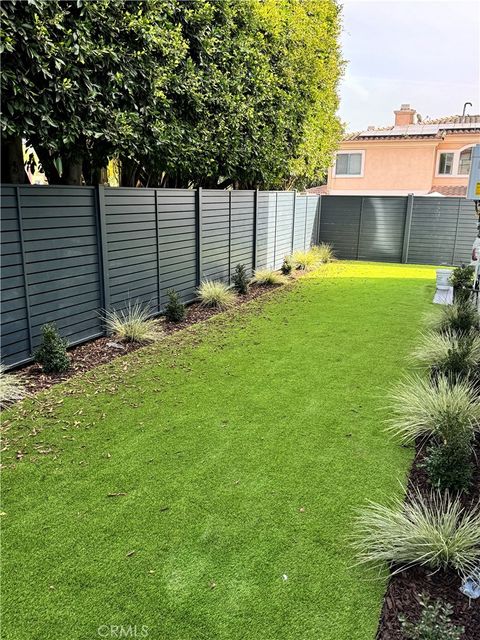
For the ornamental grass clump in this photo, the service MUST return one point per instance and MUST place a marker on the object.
(459, 318)
(11, 387)
(132, 324)
(269, 277)
(52, 352)
(434, 531)
(422, 408)
(305, 260)
(215, 294)
(455, 356)
(323, 252)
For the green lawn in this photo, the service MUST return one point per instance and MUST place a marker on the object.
(243, 445)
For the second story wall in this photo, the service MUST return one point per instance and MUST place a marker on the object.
(399, 166)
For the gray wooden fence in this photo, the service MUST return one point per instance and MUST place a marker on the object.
(417, 230)
(69, 252)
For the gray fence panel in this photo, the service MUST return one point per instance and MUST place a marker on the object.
(466, 231)
(340, 224)
(283, 236)
(381, 228)
(266, 213)
(215, 234)
(131, 246)
(300, 222)
(433, 231)
(242, 228)
(15, 321)
(312, 212)
(63, 286)
(177, 241)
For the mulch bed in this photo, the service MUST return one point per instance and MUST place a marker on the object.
(100, 351)
(404, 588)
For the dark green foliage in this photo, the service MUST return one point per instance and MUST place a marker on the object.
(449, 466)
(434, 622)
(449, 460)
(287, 265)
(175, 310)
(240, 279)
(183, 93)
(462, 282)
(52, 353)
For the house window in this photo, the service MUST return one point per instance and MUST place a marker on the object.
(445, 166)
(464, 162)
(348, 164)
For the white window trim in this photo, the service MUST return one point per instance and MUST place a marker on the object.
(456, 162)
(349, 175)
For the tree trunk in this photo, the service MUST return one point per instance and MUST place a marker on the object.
(48, 166)
(72, 171)
(128, 173)
(13, 168)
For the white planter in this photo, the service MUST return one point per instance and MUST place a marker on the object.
(443, 277)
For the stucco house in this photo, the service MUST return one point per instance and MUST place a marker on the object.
(411, 156)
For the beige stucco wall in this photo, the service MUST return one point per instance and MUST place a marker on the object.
(400, 166)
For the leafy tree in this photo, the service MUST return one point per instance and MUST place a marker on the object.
(231, 92)
(82, 80)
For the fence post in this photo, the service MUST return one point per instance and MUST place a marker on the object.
(230, 236)
(157, 236)
(24, 270)
(319, 217)
(456, 232)
(198, 247)
(275, 232)
(102, 245)
(407, 228)
(255, 217)
(293, 218)
(306, 220)
(359, 227)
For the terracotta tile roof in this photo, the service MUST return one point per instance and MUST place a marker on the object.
(453, 120)
(318, 191)
(458, 190)
(429, 128)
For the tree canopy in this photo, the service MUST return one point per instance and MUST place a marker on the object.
(210, 93)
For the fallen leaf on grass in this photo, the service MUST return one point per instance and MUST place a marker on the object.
(130, 553)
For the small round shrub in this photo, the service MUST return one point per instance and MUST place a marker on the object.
(449, 465)
(287, 265)
(52, 352)
(175, 310)
(240, 279)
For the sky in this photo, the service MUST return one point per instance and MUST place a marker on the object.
(422, 52)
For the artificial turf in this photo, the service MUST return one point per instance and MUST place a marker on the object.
(239, 450)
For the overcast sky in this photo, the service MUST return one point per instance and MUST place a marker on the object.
(422, 52)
